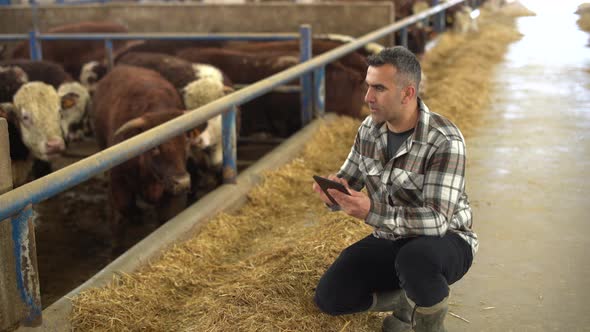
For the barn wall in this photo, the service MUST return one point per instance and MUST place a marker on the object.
(353, 19)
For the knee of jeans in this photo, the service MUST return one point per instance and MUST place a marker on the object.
(414, 259)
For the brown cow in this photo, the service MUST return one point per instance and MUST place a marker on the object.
(131, 100)
(321, 45)
(72, 54)
(278, 113)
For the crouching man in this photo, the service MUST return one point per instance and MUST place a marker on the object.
(412, 162)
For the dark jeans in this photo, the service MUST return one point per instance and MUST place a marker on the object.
(423, 266)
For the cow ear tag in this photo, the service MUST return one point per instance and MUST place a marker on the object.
(68, 101)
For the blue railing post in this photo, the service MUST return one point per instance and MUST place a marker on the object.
(439, 21)
(19, 277)
(306, 53)
(404, 36)
(108, 44)
(228, 136)
(319, 82)
(34, 46)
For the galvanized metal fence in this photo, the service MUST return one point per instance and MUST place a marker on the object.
(21, 278)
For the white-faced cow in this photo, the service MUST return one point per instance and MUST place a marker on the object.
(74, 98)
(198, 84)
(34, 128)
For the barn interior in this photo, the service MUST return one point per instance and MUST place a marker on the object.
(254, 266)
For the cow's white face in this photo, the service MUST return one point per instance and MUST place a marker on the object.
(203, 71)
(75, 100)
(37, 109)
(202, 91)
(88, 75)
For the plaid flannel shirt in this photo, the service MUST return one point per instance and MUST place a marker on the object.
(421, 190)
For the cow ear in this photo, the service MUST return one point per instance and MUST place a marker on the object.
(69, 100)
(21, 75)
(7, 110)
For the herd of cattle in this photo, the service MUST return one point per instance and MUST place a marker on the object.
(71, 94)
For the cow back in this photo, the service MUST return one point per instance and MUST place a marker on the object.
(176, 70)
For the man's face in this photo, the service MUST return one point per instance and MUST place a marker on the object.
(383, 97)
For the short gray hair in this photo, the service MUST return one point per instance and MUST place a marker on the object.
(403, 60)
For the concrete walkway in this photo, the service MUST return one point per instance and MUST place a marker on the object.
(529, 182)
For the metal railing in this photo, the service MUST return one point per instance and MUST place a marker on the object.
(14, 202)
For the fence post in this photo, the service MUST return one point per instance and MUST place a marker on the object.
(20, 300)
(319, 82)
(228, 136)
(404, 36)
(108, 44)
(439, 21)
(306, 53)
(34, 49)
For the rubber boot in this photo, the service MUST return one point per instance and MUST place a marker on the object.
(394, 301)
(431, 319)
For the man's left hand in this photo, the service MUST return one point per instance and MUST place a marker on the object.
(357, 204)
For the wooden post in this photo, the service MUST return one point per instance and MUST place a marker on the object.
(20, 300)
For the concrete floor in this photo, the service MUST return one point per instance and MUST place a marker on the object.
(529, 183)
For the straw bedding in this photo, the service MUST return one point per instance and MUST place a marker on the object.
(256, 270)
(584, 20)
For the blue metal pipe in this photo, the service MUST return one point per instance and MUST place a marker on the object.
(170, 36)
(65, 178)
(34, 47)
(108, 44)
(230, 155)
(404, 36)
(306, 53)
(319, 97)
(25, 255)
(14, 37)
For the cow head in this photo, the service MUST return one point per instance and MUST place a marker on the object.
(163, 168)
(36, 107)
(202, 91)
(195, 95)
(75, 102)
(91, 73)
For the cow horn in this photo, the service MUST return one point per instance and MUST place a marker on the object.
(130, 125)
(6, 109)
(228, 89)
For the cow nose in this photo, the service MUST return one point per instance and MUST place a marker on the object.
(55, 145)
(181, 184)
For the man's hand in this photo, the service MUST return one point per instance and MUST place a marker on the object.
(357, 204)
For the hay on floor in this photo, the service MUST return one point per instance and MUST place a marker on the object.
(256, 270)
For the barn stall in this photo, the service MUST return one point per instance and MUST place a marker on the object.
(99, 185)
(234, 271)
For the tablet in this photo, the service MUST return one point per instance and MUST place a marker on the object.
(326, 184)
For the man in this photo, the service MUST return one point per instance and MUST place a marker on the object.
(412, 162)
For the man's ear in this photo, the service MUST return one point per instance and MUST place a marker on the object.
(408, 94)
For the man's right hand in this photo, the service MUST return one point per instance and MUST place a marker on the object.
(323, 197)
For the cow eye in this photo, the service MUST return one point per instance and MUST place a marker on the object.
(26, 118)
